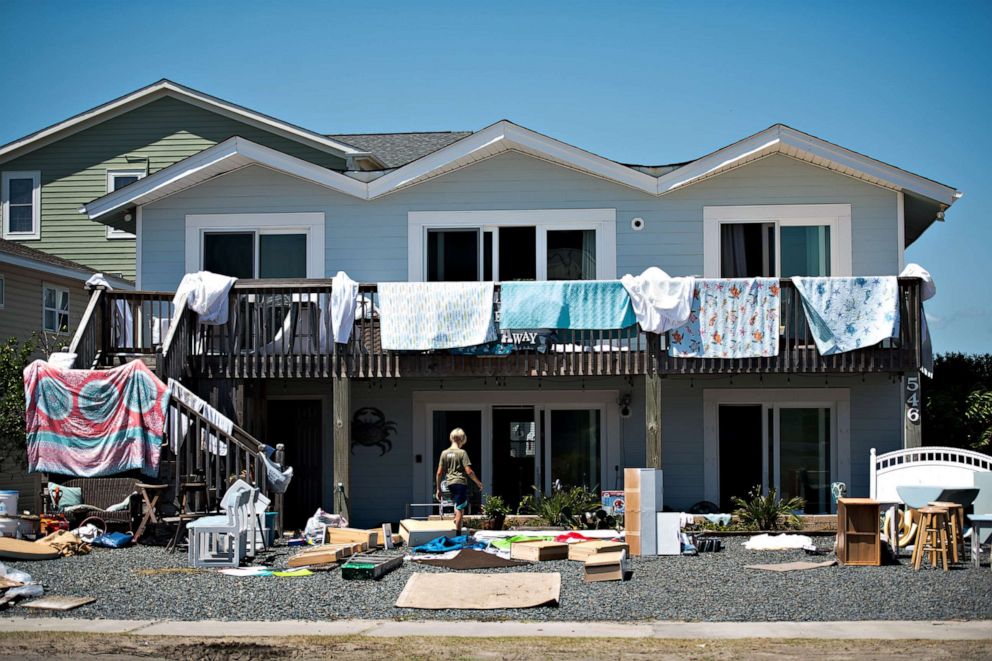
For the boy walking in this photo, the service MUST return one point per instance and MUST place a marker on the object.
(456, 468)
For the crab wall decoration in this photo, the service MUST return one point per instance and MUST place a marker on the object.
(369, 428)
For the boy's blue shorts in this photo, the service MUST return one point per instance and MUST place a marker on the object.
(459, 494)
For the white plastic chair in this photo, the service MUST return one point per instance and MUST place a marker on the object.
(221, 541)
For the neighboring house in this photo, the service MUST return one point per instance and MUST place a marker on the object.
(506, 203)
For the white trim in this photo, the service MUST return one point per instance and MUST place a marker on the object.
(839, 399)
(59, 289)
(310, 223)
(35, 177)
(425, 402)
(901, 228)
(60, 271)
(836, 216)
(164, 88)
(112, 232)
(603, 221)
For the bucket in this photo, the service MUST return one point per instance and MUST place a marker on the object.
(8, 527)
(8, 502)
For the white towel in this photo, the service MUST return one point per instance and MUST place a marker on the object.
(660, 302)
(343, 296)
(928, 289)
(206, 295)
(179, 425)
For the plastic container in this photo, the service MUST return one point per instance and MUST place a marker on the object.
(270, 528)
(8, 527)
(8, 502)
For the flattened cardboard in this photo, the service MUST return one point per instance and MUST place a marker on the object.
(415, 533)
(539, 551)
(610, 566)
(436, 591)
(582, 550)
(59, 603)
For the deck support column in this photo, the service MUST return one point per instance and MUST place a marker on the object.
(341, 395)
(652, 420)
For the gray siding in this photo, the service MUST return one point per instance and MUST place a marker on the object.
(369, 239)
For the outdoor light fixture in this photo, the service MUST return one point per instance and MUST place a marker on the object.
(624, 403)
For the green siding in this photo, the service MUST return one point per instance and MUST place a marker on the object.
(74, 171)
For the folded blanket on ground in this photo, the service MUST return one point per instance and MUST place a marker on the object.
(445, 544)
(783, 542)
(91, 423)
(418, 316)
(660, 301)
(576, 304)
(730, 318)
(845, 314)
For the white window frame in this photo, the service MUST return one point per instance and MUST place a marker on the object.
(45, 286)
(838, 400)
(835, 216)
(3, 291)
(603, 221)
(311, 224)
(35, 177)
(113, 232)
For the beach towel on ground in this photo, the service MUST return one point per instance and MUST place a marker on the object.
(206, 294)
(91, 423)
(445, 544)
(845, 314)
(505, 543)
(730, 318)
(575, 304)
(660, 302)
(417, 316)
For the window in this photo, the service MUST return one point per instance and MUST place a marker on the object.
(20, 195)
(55, 309)
(513, 245)
(276, 245)
(117, 179)
(777, 241)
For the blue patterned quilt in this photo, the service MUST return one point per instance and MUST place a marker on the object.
(845, 314)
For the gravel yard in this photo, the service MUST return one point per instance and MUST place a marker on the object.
(711, 586)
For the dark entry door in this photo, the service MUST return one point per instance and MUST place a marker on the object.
(740, 452)
(514, 452)
(296, 424)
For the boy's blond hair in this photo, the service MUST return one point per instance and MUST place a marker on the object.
(458, 436)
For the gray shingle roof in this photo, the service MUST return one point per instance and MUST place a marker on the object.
(396, 149)
(21, 250)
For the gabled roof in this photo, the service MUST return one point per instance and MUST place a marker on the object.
(396, 149)
(164, 88)
(18, 254)
(505, 136)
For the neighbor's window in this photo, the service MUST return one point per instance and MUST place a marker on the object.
(751, 250)
(20, 197)
(255, 254)
(55, 309)
(117, 179)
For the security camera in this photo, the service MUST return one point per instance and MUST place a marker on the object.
(637, 224)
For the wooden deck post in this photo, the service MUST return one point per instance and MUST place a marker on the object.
(341, 394)
(652, 420)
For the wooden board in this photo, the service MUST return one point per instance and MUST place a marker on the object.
(539, 551)
(324, 555)
(59, 603)
(415, 533)
(18, 549)
(480, 591)
(352, 536)
(610, 566)
(582, 550)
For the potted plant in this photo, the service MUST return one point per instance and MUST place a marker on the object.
(495, 509)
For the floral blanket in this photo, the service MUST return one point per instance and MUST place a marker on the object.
(730, 318)
(845, 314)
(91, 423)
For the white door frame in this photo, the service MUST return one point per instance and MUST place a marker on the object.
(426, 402)
(837, 399)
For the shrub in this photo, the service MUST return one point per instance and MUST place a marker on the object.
(565, 506)
(769, 512)
(14, 357)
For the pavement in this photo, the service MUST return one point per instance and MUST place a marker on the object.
(861, 630)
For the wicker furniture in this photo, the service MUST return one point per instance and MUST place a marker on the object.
(99, 493)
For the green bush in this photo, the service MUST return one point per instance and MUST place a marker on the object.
(494, 506)
(769, 512)
(14, 357)
(566, 506)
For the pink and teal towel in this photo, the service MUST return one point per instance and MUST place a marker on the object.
(91, 423)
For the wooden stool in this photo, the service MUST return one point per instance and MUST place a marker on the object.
(955, 512)
(931, 536)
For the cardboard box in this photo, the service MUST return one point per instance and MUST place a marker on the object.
(539, 551)
(583, 550)
(351, 536)
(643, 500)
(611, 566)
(415, 533)
(323, 555)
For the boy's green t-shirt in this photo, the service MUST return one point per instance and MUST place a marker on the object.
(453, 463)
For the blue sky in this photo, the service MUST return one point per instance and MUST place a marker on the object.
(909, 83)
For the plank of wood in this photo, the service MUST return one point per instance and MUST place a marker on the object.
(59, 603)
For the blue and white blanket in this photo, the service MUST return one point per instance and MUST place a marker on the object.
(845, 314)
(417, 316)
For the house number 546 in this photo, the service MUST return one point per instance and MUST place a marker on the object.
(913, 399)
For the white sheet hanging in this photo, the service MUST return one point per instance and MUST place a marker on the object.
(207, 295)
(660, 302)
(343, 298)
(179, 424)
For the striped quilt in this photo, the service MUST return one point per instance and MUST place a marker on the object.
(91, 423)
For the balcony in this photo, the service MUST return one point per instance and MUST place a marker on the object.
(280, 330)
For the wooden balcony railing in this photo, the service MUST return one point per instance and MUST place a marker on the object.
(282, 329)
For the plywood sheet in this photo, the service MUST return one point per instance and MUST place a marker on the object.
(59, 603)
(18, 549)
(480, 591)
(792, 566)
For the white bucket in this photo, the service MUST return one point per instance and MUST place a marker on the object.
(8, 527)
(8, 503)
